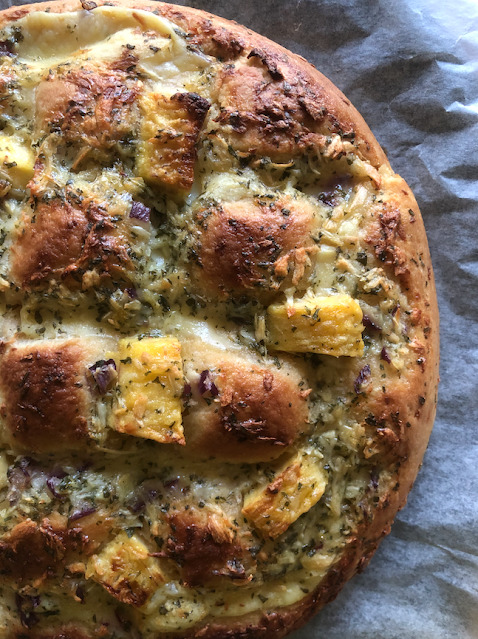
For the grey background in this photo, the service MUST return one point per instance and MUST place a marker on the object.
(411, 69)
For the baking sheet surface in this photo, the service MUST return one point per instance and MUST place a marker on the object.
(411, 69)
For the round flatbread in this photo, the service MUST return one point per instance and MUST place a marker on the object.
(219, 329)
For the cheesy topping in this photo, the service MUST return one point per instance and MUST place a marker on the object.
(192, 316)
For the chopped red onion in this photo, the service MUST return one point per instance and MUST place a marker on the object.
(146, 493)
(19, 480)
(171, 483)
(6, 48)
(152, 494)
(140, 211)
(370, 324)
(104, 374)
(132, 293)
(79, 513)
(187, 390)
(21, 476)
(54, 480)
(25, 605)
(206, 384)
(52, 483)
(151, 488)
(24, 463)
(80, 593)
(136, 505)
(362, 377)
(374, 478)
(385, 356)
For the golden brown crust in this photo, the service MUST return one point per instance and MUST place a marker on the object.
(399, 419)
(87, 106)
(266, 112)
(254, 247)
(207, 549)
(314, 96)
(65, 237)
(256, 414)
(418, 393)
(31, 552)
(45, 394)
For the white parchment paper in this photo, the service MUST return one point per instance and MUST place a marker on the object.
(411, 69)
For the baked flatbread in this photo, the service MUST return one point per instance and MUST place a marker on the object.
(219, 337)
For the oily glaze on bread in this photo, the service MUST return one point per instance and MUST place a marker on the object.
(220, 333)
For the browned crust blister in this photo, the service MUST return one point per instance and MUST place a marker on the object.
(65, 238)
(261, 410)
(102, 101)
(45, 394)
(251, 248)
(300, 108)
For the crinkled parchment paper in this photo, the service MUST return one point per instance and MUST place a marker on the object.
(411, 69)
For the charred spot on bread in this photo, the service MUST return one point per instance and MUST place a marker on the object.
(383, 237)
